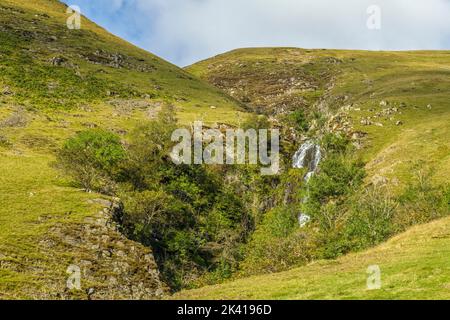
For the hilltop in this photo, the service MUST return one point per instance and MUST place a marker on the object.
(48, 66)
(394, 105)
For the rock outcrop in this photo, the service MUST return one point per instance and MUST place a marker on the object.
(110, 266)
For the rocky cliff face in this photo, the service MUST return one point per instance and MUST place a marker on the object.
(109, 266)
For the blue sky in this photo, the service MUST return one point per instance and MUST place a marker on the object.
(185, 31)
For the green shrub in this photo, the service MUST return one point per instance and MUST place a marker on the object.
(148, 151)
(193, 221)
(298, 120)
(277, 244)
(338, 178)
(92, 158)
(289, 189)
(335, 143)
(148, 208)
(255, 121)
(422, 201)
(327, 196)
(166, 224)
(371, 219)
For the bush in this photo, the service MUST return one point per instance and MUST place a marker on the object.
(371, 218)
(338, 178)
(256, 122)
(148, 151)
(298, 120)
(422, 201)
(277, 244)
(289, 188)
(335, 143)
(147, 208)
(166, 224)
(92, 158)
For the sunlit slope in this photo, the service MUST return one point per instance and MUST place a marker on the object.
(414, 265)
(397, 103)
(55, 82)
(396, 107)
(46, 65)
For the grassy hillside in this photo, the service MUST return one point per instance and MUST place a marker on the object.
(405, 94)
(46, 65)
(55, 82)
(395, 108)
(413, 265)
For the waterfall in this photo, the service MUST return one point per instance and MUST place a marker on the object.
(307, 156)
(303, 219)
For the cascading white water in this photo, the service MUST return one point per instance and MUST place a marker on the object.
(303, 219)
(307, 156)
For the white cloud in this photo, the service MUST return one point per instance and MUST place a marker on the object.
(185, 31)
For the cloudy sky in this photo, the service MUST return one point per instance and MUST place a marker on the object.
(185, 31)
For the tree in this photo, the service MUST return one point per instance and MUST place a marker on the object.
(92, 158)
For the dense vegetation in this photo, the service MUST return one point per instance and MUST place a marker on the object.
(204, 229)
(347, 215)
(414, 265)
(191, 219)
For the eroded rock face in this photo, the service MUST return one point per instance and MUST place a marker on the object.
(110, 265)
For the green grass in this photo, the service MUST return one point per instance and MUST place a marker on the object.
(36, 201)
(31, 40)
(414, 265)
